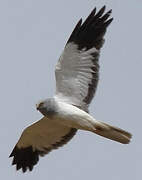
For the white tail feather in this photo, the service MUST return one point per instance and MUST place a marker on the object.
(112, 132)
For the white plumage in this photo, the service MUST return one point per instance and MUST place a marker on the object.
(74, 73)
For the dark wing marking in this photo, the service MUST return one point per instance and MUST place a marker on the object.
(85, 36)
(27, 156)
(90, 34)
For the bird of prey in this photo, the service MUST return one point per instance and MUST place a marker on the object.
(77, 75)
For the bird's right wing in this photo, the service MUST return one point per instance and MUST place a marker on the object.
(77, 71)
(37, 140)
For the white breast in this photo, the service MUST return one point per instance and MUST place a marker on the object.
(74, 117)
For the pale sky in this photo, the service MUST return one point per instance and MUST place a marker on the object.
(32, 36)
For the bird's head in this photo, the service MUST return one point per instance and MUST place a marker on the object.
(40, 105)
(47, 107)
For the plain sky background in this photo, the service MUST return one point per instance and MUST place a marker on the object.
(32, 36)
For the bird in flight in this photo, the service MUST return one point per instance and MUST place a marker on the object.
(77, 75)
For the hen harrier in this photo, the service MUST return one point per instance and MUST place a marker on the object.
(77, 74)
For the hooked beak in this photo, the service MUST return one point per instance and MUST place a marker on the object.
(37, 107)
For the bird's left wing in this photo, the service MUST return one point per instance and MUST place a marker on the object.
(77, 70)
(37, 140)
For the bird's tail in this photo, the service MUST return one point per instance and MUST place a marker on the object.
(112, 132)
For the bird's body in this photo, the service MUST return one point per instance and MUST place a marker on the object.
(70, 116)
(77, 75)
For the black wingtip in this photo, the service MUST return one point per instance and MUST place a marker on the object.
(24, 158)
(107, 23)
(91, 32)
(93, 12)
(103, 8)
(12, 153)
(109, 12)
(101, 11)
